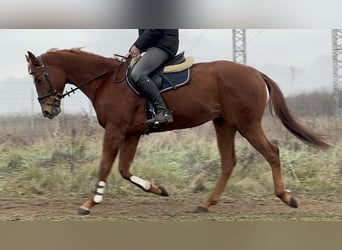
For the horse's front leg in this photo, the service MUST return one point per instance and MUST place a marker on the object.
(127, 153)
(111, 144)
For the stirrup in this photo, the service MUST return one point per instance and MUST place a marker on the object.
(160, 118)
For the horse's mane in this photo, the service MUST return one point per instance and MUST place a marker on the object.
(79, 51)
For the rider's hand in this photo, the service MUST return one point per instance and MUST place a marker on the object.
(128, 55)
(134, 51)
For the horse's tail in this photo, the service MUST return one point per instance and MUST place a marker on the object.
(278, 104)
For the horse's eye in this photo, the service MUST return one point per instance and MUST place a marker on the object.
(38, 80)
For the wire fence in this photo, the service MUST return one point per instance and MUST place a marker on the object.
(20, 98)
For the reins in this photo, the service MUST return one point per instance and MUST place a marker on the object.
(117, 69)
(72, 91)
(124, 59)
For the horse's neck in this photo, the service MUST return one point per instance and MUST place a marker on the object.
(82, 70)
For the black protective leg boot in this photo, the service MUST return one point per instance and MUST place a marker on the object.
(151, 92)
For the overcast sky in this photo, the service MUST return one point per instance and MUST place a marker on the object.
(298, 59)
(269, 50)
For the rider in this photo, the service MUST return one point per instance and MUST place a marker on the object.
(159, 45)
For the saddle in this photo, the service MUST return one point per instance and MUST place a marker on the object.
(170, 75)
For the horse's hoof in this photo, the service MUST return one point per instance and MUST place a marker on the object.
(163, 192)
(293, 203)
(82, 211)
(201, 209)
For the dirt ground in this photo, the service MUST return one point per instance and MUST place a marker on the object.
(170, 209)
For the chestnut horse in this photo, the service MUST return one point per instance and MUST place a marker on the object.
(231, 95)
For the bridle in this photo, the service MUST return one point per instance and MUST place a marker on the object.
(52, 90)
(58, 96)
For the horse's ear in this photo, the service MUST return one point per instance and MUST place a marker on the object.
(31, 58)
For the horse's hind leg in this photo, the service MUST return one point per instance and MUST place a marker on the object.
(127, 153)
(225, 140)
(255, 135)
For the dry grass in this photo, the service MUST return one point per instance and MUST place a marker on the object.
(62, 155)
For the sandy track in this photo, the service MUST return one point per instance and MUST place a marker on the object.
(169, 209)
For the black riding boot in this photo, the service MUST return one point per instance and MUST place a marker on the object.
(151, 92)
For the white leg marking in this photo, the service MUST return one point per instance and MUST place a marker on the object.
(142, 183)
(98, 197)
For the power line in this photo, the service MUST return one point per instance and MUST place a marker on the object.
(255, 36)
(197, 40)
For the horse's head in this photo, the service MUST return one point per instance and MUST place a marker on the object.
(49, 81)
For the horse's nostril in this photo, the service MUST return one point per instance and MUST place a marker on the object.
(46, 113)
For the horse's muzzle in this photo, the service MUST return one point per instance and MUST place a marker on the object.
(50, 111)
